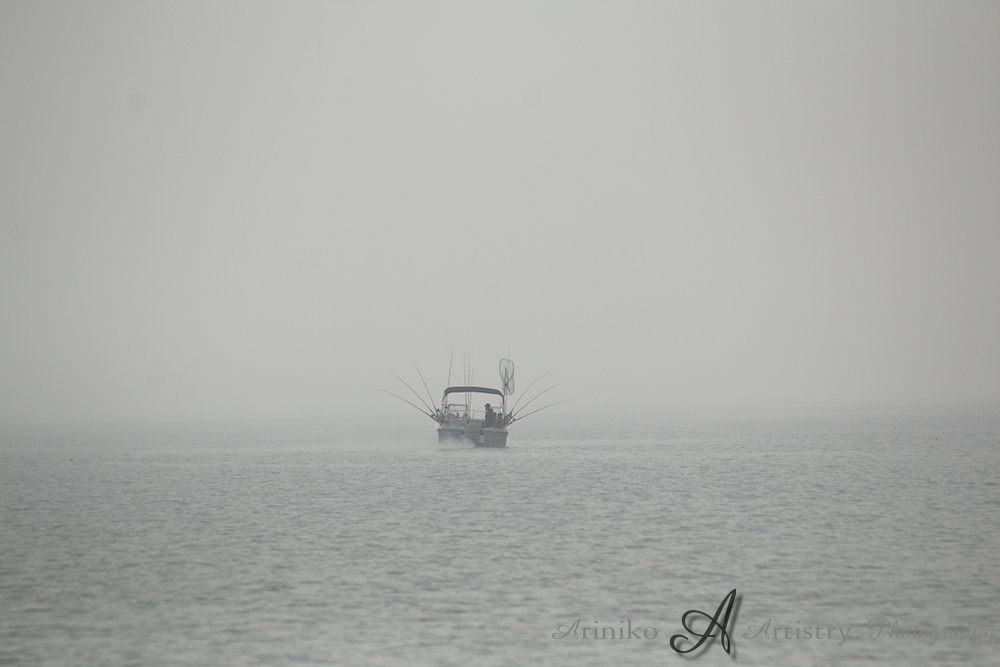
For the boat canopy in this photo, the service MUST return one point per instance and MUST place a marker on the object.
(472, 390)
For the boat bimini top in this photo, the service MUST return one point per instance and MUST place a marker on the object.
(473, 390)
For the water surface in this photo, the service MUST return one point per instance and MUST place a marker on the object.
(346, 544)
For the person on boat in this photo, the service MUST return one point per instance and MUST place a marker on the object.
(490, 417)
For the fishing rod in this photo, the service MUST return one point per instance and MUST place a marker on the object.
(425, 383)
(432, 416)
(467, 368)
(414, 392)
(527, 389)
(537, 395)
(539, 409)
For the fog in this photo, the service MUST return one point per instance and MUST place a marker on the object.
(235, 209)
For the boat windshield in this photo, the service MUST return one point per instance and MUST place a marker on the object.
(456, 411)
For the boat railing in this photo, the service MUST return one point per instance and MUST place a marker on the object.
(460, 412)
(481, 415)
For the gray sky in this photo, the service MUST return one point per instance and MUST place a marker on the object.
(262, 209)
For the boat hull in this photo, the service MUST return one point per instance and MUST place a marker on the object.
(450, 433)
(493, 437)
(483, 437)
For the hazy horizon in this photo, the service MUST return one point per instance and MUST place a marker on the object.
(241, 210)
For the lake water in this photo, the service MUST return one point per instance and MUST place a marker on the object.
(340, 544)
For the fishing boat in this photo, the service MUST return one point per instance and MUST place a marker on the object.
(460, 417)
(461, 420)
